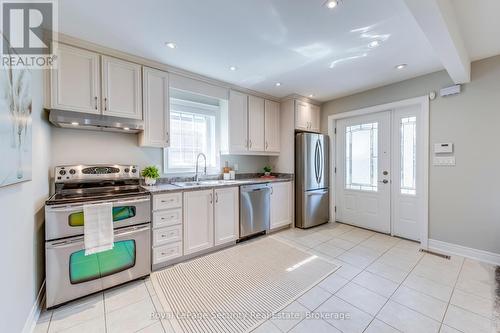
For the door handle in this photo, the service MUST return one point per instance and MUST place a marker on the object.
(216, 197)
(385, 181)
(95, 98)
(211, 198)
(105, 103)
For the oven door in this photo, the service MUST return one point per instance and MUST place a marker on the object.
(71, 274)
(67, 220)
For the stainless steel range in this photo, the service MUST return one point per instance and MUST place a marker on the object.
(69, 273)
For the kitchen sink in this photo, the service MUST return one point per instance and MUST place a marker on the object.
(204, 183)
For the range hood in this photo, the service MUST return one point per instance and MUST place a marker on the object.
(94, 122)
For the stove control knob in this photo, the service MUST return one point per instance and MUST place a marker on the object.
(127, 170)
(134, 170)
(72, 171)
(62, 172)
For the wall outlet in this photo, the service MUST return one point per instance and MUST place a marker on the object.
(235, 167)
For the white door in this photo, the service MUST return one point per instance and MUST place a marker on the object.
(363, 171)
(255, 123)
(272, 126)
(407, 180)
(238, 122)
(156, 107)
(302, 115)
(198, 221)
(227, 215)
(121, 88)
(281, 204)
(75, 83)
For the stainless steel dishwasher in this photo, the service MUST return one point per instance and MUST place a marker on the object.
(255, 209)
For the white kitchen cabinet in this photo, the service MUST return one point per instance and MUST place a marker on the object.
(256, 123)
(307, 116)
(226, 213)
(198, 221)
(74, 84)
(121, 88)
(156, 109)
(238, 122)
(272, 126)
(281, 204)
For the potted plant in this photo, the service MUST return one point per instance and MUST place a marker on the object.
(150, 174)
(267, 170)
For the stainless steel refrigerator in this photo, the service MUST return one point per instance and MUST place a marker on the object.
(312, 181)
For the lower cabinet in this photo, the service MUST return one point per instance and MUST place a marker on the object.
(227, 215)
(211, 218)
(281, 204)
(198, 221)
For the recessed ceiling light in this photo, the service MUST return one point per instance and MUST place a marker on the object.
(374, 43)
(233, 68)
(126, 128)
(171, 45)
(278, 84)
(75, 123)
(331, 4)
(401, 66)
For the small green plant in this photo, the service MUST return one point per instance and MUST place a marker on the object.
(150, 172)
(267, 168)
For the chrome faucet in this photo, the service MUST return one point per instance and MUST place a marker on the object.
(196, 177)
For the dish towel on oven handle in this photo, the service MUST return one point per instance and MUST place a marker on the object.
(98, 227)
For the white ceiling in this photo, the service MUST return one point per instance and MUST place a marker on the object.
(289, 41)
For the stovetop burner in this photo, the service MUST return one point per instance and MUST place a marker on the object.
(82, 185)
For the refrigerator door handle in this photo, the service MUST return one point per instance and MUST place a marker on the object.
(320, 164)
(316, 162)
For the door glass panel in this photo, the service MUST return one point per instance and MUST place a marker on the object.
(84, 268)
(408, 155)
(119, 214)
(362, 157)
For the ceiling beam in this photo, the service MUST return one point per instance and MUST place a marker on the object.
(437, 20)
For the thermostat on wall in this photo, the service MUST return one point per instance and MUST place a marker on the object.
(443, 148)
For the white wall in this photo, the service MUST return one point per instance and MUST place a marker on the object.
(71, 146)
(22, 236)
(464, 205)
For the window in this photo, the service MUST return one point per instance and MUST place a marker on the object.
(193, 130)
(408, 128)
(362, 157)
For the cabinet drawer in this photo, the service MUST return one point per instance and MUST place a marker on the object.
(167, 235)
(167, 252)
(166, 201)
(166, 218)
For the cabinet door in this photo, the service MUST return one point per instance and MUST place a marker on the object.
(121, 88)
(256, 123)
(238, 122)
(272, 126)
(302, 115)
(75, 82)
(227, 215)
(198, 221)
(281, 204)
(155, 108)
(315, 114)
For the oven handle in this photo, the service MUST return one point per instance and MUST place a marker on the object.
(78, 240)
(69, 208)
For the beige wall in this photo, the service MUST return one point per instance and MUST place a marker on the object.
(22, 218)
(464, 205)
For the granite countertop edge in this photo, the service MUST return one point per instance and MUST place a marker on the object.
(170, 188)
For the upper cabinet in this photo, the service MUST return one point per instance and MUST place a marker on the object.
(75, 83)
(272, 126)
(121, 88)
(256, 123)
(307, 116)
(252, 124)
(81, 84)
(238, 122)
(156, 108)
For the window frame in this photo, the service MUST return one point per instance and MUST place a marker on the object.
(197, 108)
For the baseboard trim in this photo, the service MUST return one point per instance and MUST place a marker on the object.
(455, 249)
(29, 325)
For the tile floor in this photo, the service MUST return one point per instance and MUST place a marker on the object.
(384, 285)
